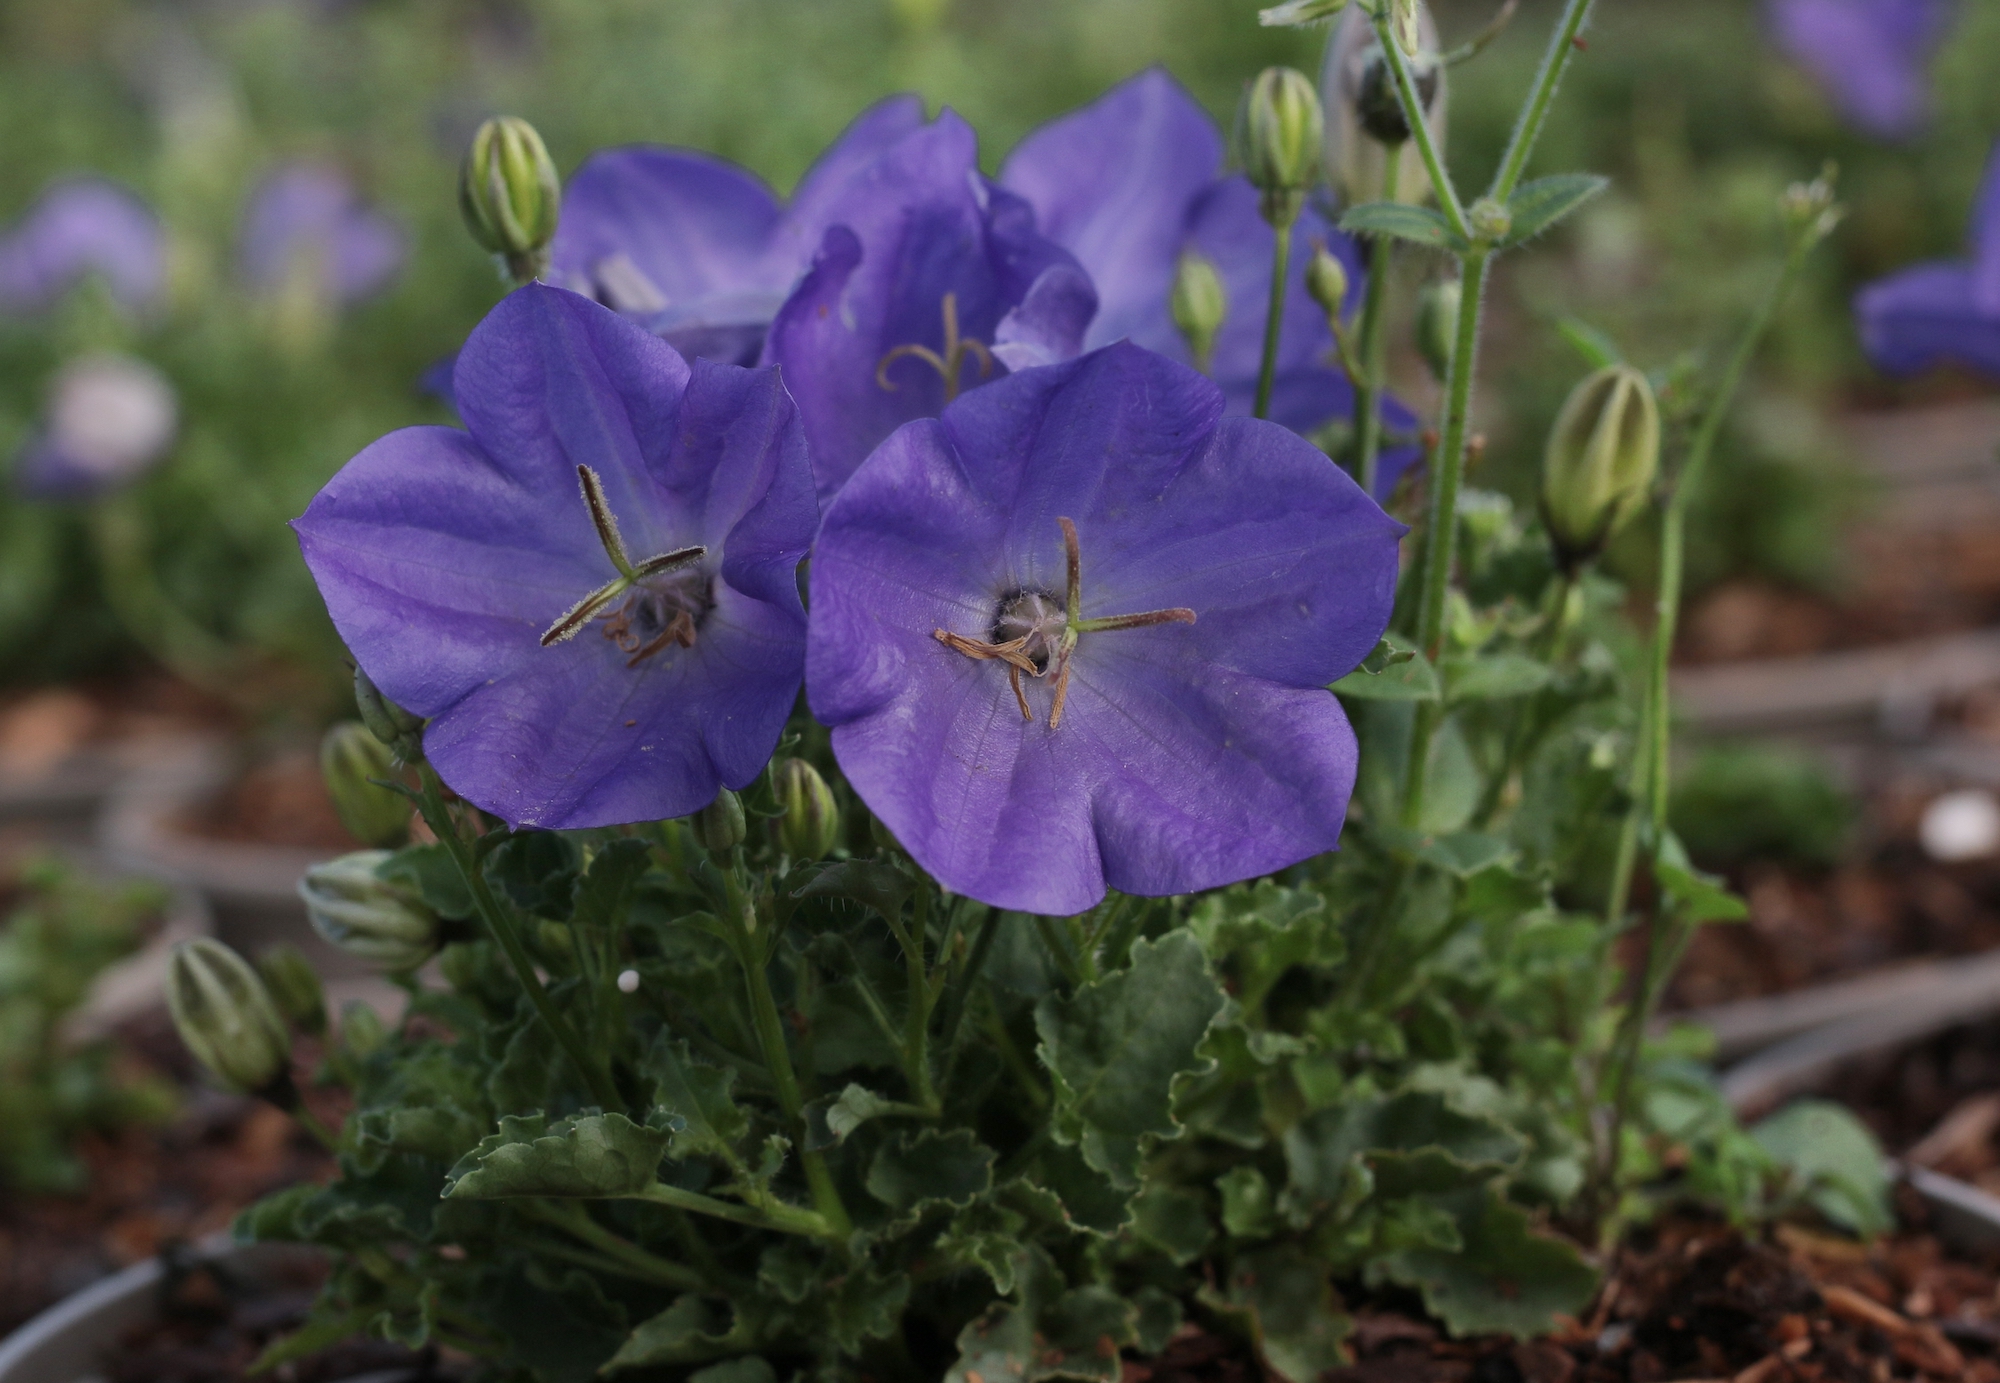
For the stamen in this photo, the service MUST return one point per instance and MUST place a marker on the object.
(681, 632)
(1020, 697)
(1009, 652)
(604, 520)
(950, 365)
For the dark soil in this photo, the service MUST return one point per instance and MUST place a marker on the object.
(149, 1188)
(1936, 1103)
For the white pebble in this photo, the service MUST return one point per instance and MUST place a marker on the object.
(628, 981)
(1962, 825)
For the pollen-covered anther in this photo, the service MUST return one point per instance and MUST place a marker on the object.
(1035, 633)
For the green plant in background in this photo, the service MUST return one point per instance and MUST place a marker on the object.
(1736, 803)
(60, 933)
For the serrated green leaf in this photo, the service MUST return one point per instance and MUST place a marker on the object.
(590, 1155)
(1157, 1319)
(439, 1134)
(830, 1118)
(997, 1347)
(1295, 1318)
(1089, 1199)
(930, 1167)
(866, 1306)
(602, 892)
(1504, 1279)
(1537, 205)
(872, 883)
(1493, 676)
(691, 1331)
(536, 871)
(1696, 896)
(1116, 1047)
(751, 1368)
(698, 1096)
(435, 875)
(1173, 1220)
(1420, 225)
(1413, 1135)
(1249, 1205)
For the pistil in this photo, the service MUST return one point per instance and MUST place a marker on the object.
(679, 629)
(950, 365)
(1045, 634)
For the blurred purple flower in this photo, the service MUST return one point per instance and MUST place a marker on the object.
(83, 226)
(109, 419)
(697, 248)
(307, 217)
(1178, 734)
(1871, 57)
(1944, 311)
(527, 583)
(929, 280)
(1132, 180)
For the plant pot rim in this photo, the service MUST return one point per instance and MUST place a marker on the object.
(64, 1343)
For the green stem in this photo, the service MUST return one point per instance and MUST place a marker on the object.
(1420, 130)
(915, 1037)
(959, 997)
(595, 1073)
(776, 1215)
(1520, 735)
(1058, 947)
(750, 953)
(575, 1220)
(1373, 382)
(1274, 318)
(1441, 532)
(1528, 129)
(150, 618)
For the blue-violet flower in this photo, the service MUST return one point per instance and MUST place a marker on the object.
(592, 590)
(1871, 57)
(1078, 632)
(79, 227)
(306, 219)
(1947, 311)
(1133, 180)
(109, 419)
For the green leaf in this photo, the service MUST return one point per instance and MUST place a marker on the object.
(751, 1368)
(698, 1096)
(1158, 1319)
(688, 1332)
(1420, 225)
(1537, 205)
(1834, 1162)
(1294, 1317)
(537, 871)
(1395, 671)
(1463, 854)
(872, 883)
(435, 875)
(1414, 1136)
(583, 1155)
(428, 1131)
(1248, 1204)
(1116, 1046)
(830, 1119)
(602, 893)
(930, 1167)
(1504, 1279)
(325, 1327)
(1090, 1199)
(1173, 1220)
(1696, 896)
(864, 1306)
(1492, 676)
(997, 1347)
(1596, 347)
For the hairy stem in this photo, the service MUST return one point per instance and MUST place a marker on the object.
(1420, 130)
(1528, 129)
(595, 1072)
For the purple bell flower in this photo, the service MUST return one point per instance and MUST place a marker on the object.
(698, 249)
(1078, 632)
(929, 280)
(110, 418)
(1871, 57)
(307, 217)
(78, 227)
(1132, 180)
(1946, 311)
(591, 591)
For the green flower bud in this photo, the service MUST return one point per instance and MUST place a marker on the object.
(1601, 460)
(810, 823)
(1364, 114)
(510, 194)
(720, 826)
(1199, 303)
(374, 919)
(1437, 324)
(1283, 129)
(1326, 280)
(1489, 219)
(354, 764)
(361, 1030)
(227, 1018)
(294, 987)
(387, 721)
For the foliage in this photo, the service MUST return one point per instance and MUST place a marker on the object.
(1741, 802)
(60, 934)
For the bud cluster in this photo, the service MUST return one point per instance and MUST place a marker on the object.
(372, 918)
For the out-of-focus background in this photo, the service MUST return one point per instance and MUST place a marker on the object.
(166, 667)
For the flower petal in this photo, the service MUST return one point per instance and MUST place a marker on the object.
(1926, 315)
(78, 227)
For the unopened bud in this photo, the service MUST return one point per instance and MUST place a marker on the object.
(374, 919)
(1283, 129)
(1326, 281)
(1437, 324)
(227, 1017)
(510, 194)
(720, 826)
(1490, 220)
(1403, 24)
(1601, 460)
(355, 765)
(294, 987)
(1199, 304)
(1365, 121)
(1809, 209)
(810, 820)
(387, 721)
